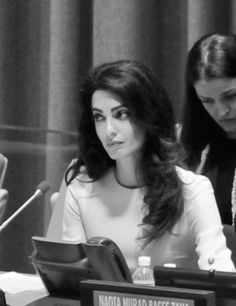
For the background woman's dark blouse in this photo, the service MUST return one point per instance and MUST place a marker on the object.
(220, 170)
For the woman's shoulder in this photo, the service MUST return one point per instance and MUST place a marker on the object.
(190, 177)
(198, 192)
(84, 185)
(193, 183)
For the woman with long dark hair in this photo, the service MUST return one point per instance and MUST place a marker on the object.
(126, 184)
(209, 117)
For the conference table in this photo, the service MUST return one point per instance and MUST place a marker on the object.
(24, 298)
(21, 289)
(28, 290)
(39, 298)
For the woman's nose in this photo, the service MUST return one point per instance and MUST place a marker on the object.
(222, 110)
(111, 130)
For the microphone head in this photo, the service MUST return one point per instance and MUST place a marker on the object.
(43, 187)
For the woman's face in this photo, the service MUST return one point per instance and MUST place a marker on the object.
(120, 137)
(218, 96)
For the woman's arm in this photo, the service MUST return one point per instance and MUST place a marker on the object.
(206, 224)
(73, 229)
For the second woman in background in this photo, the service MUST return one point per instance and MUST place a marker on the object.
(209, 121)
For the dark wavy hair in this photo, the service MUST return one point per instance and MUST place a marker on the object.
(211, 57)
(150, 109)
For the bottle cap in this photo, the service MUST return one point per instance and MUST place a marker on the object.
(144, 261)
(170, 265)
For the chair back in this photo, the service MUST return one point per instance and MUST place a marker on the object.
(230, 235)
(3, 168)
(55, 231)
(3, 202)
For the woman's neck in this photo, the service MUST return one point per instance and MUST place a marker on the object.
(126, 174)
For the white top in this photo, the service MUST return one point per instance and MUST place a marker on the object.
(105, 208)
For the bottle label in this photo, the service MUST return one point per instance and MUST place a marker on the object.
(144, 282)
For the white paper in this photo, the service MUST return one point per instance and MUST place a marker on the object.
(13, 282)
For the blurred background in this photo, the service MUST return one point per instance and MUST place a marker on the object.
(46, 48)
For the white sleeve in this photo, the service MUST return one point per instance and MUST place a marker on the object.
(206, 225)
(73, 229)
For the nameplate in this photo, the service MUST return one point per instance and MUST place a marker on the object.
(103, 293)
(106, 298)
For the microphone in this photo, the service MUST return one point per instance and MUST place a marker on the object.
(41, 189)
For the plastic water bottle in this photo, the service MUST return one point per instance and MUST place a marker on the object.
(143, 275)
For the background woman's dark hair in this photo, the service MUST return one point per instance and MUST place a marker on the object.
(211, 57)
(151, 109)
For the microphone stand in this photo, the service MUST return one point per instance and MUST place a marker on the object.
(39, 191)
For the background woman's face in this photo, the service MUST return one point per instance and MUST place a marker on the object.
(218, 97)
(118, 134)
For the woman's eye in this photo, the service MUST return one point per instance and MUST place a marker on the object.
(97, 117)
(207, 101)
(230, 97)
(122, 114)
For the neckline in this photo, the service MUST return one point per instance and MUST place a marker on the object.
(122, 185)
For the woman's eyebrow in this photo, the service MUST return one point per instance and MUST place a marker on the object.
(203, 97)
(112, 109)
(118, 107)
(96, 109)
